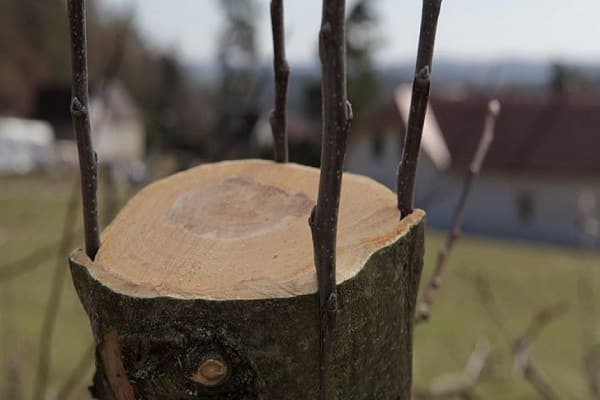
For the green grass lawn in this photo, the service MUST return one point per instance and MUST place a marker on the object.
(524, 278)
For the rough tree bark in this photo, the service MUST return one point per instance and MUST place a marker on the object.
(81, 125)
(407, 169)
(281, 70)
(187, 303)
(336, 120)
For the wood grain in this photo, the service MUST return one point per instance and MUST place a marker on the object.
(237, 230)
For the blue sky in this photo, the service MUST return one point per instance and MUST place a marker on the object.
(566, 30)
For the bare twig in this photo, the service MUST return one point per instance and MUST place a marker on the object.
(15, 370)
(58, 279)
(591, 363)
(28, 263)
(488, 300)
(462, 384)
(533, 375)
(539, 321)
(435, 281)
(337, 117)
(11, 384)
(282, 73)
(81, 125)
(418, 106)
(77, 374)
(32, 261)
(588, 223)
(520, 346)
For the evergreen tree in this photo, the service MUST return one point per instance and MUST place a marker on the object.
(362, 43)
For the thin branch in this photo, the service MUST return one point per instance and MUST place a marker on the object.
(462, 384)
(58, 279)
(337, 117)
(30, 262)
(11, 368)
(591, 363)
(281, 68)
(539, 321)
(535, 378)
(77, 374)
(14, 269)
(418, 106)
(81, 125)
(587, 222)
(435, 281)
(520, 346)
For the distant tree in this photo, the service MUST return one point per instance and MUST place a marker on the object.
(237, 56)
(28, 50)
(237, 51)
(237, 41)
(563, 78)
(362, 43)
(312, 99)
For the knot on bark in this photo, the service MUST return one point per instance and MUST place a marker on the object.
(284, 69)
(423, 77)
(78, 109)
(331, 306)
(326, 30)
(311, 219)
(349, 114)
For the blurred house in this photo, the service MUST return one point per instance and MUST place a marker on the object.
(118, 130)
(540, 181)
(375, 143)
(25, 145)
(304, 138)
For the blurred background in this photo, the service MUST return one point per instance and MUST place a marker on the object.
(181, 83)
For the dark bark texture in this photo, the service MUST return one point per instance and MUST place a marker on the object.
(336, 119)
(150, 348)
(418, 106)
(281, 69)
(88, 163)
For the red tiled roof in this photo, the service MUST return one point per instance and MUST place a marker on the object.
(553, 135)
(377, 121)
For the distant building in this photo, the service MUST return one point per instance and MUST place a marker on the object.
(304, 137)
(540, 181)
(118, 132)
(25, 145)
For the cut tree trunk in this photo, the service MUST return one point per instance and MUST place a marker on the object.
(205, 288)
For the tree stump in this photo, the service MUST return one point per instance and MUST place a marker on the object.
(205, 288)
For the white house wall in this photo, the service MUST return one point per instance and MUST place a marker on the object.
(119, 141)
(383, 168)
(360, 159)
(493, 206)
(25, 145)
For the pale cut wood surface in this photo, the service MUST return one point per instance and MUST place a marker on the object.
(239, 230)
